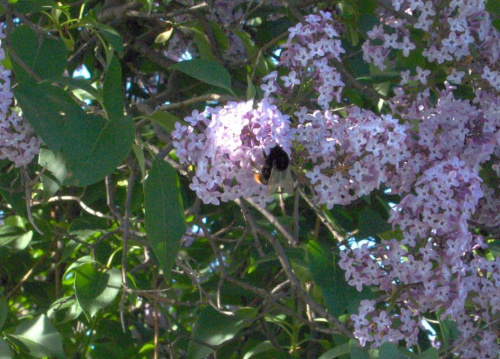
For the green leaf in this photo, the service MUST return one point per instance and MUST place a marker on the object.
(113, 38)
(39, 338)
(390, 351)
(207, 71)
(251, 90)
(28, 6)
(357, 352)
(164, 119)
(55, 165)
(76, 84)
(164, 217)
(112, 91)
(139, 154)
(78, 263)
(201, 40)
(259, 63)
(15, 237)
(339, 296)
(46, 108)
(164, 36)
(214, 329)
(4, 311)
(45, 56)
(431, 353)
(5, 352)
(64, 310)
(371, 224)
(11, 188)
(94, 147)
(336, 352)
(219, 35)
(265, 350)
(96, 289)
(493, 6)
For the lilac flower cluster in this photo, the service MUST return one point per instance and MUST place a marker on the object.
(309, 56)
(435, 259)
(352, 155)
(458, 31)
(18, 142)
(226, 144)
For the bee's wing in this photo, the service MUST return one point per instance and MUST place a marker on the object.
(280, 179)
(287, 182)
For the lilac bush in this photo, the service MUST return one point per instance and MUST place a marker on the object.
(427, 147)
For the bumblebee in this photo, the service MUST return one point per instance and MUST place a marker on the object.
(276, 172)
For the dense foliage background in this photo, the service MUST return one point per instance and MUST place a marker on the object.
(133, 227)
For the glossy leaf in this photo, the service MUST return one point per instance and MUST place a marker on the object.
(15, 237)
(96, 289)
(164, 215)
(164, 36)
(39, 338)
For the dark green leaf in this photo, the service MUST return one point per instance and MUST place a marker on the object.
(207, 71)
(212, 328)
(76, 83)
(371, 224)
(164, 217)
(96, 289)
(94, 147)
(4, 310)
(39, 338)
(165, 119)
(336, 352)
(112, 91)
(113, 38)
(357, 352)
(259, 62)
(46, 108)
(28, 6)
(390, 351)
(339, 296)
(46, 57)
(55, 165)
(431, 353)
(12, 190)
(493, 7)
